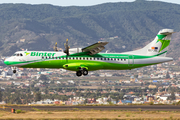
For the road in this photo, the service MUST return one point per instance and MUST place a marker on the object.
(122, 107)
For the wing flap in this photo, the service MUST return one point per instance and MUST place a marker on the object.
(95, 48)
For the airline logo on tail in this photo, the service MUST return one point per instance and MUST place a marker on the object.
(153, 49)
(165, 43)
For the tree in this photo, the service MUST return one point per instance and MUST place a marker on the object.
(43, 77)
(85, 101)
(0, 96)
(136, 76)
(172, 97)
(38, 96)
(167, 75)
(46, 90)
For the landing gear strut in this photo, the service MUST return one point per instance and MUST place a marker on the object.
(82, 71)
(14, 70)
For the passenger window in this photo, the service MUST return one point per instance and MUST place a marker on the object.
(121, 59)
(70, 58)
(90, 58)
(111, 58)
(52, 57)
(104, 58)
(17, 54)
(97, 58)
(62, 57)
(115, 59)
(108, 59)
(124, 59)
(83, 58)
(101, 58)
(42, 57)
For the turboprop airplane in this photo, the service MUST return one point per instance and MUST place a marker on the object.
(89, 58)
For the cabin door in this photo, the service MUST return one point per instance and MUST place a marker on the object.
(131, 60)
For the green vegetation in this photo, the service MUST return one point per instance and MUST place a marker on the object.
(127, 114)
(38, 96)
(0, 95)
(36, 109)
(93, 115)
(20, 111)
(23, 96)
(42, 25)
(49, 113)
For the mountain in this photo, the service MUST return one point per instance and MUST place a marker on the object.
(125, 25)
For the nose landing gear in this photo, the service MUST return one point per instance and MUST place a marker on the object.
(14, 71)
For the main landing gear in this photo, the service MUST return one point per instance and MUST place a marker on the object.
(82, 71)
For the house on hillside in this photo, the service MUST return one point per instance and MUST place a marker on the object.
(120, 102)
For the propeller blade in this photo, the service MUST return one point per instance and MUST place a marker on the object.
(55, 47)
(66, 49)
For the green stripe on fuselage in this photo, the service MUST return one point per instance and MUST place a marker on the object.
(89, 63)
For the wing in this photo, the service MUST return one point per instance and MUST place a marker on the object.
(95, 48)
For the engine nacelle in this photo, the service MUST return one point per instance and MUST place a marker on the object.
(75, 50)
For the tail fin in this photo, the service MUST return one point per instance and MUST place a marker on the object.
(158, 46)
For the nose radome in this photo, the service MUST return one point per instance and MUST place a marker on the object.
(6, 62)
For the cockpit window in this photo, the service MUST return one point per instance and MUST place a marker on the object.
(18, 54)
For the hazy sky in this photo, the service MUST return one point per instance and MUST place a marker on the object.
(75, 2)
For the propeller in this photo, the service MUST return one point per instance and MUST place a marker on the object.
(66, 49)
(55, 47)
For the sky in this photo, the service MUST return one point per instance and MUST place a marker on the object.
(75, 2)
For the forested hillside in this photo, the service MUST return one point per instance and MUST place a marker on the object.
(126, 25)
